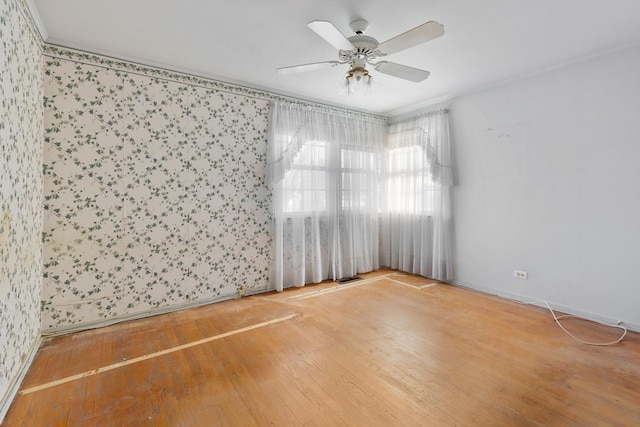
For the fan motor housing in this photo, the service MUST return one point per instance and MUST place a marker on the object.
(364, 43)
(365, 49)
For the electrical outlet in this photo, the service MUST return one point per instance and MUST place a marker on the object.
(519, 274)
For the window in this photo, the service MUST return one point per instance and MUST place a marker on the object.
(408, 185)
(358, 178)
(305, 184)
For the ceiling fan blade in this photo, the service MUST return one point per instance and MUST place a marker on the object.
(307, 67)
(402, 71)
(331, 34)
(421, 34)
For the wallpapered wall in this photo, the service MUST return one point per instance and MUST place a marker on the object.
(154, 190)
(20, 189)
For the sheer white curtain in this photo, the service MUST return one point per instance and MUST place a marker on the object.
(323, 170)
(416, 219)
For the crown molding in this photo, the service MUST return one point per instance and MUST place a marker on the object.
(35, 17)
(58, 50)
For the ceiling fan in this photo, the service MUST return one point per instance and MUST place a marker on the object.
(360, 50)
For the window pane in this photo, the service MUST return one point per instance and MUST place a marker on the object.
(314, 179)
(409, 188)
(305, 184)
(357, 159)
(312, 153)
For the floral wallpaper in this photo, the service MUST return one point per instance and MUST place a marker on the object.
(21, 131)
(154, 190)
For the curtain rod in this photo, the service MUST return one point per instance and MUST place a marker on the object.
(338, 112)
(420, 116)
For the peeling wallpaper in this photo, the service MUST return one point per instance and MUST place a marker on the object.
(21, 130)
(154, 190)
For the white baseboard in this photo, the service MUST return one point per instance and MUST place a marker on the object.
(540, 303)
(472, 286)
(569, 310)
(14, 386)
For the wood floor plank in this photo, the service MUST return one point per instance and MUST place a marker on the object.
(379, 354)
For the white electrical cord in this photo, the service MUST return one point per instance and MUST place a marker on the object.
(557, 319)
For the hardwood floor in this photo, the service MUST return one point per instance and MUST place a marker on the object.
(389, 350)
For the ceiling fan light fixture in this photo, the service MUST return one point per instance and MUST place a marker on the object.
(357, 81)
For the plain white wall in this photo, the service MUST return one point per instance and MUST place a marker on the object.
(548, 181)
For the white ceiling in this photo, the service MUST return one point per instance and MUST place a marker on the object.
(245, 41)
